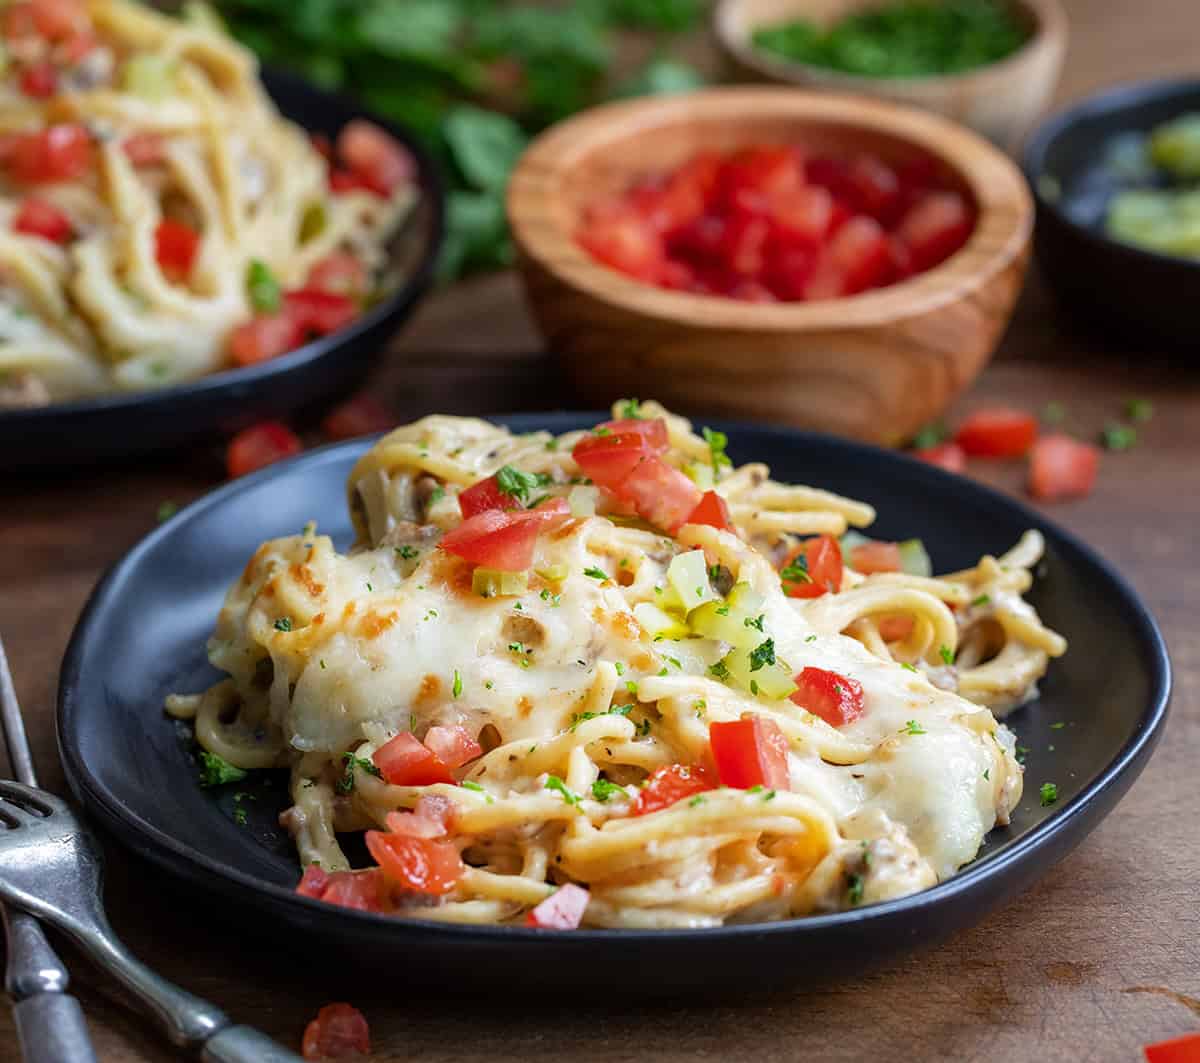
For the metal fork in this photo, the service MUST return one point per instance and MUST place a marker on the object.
(50, 867)
(50, 1023)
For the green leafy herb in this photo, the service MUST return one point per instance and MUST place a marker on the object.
(166, 510)
(629, 410)
(1139, 409)
(913, 728)
(239, 815)
(456, 688)
(284, 623)
(908, 667)
(553, 782)
(1048, 793)
(595, 573)
(810, 638)
(717, 442)
(1118, 436)
(643, 728)
(769, 795)
(217, 771)
(262, 287)
(436, 495)
(469, 784)
(602, 790)
(520, 485)
(930, 436)
(484, 145)
(719, 670)
(946, 654)
(346, 783)
(854, 892)
(619, 667)
(322, 664)
(407, 552)
(983, 599)
(987, 773)
(662, 77)
(762, 655)
(697, 800)
(632, 687)
(521, 652)
(796, 570)
(1058, 726)
(755, 622)
(755, 789)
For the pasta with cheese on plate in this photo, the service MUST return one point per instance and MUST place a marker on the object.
(608, 678)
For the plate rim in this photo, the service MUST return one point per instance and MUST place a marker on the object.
(210, 874)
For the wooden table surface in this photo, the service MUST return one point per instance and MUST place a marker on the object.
(1083, 966)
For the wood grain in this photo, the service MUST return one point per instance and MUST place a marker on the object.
(1001, 101)
(1051, 977)
(876, 367)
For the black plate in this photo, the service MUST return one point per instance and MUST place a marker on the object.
(142, 635)
(1102, 280)
(221, 403)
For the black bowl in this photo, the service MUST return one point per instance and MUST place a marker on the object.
(221, 403)
(142, 635)
(1104, 281)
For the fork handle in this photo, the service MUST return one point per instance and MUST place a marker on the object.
(242, 1044)
(51, 1029)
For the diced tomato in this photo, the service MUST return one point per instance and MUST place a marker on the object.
(1062, 467)
(857, 258)
(260, 445)
(495, 539)
(406, 761)
(359, 416)
(671, 784)
(608, 458)
(831, 174)
(339, 273)
(875, 556)
(752, 751)
(175, 248)
(836, 698)
(74, 49)
(313, 882)
(789, 267)
(36, 217)
(145, 149)
(421, 822)
(363, 890)
(744, 243)
(57, 20)
(39, 80)
(264, 337)
(804, 215)
(652, 429)
(713, 511)
(661, 493)
(417, 865)
(997, 432)
(60, 153)
(322, 145)
(343, 181)
(454, 746)
(823, 561)
(753, 178)
(627, 242)
(949, 456)
(485, 495)
(375, 156)
(935, 227)
(686, 193)
(320, 312)
(875, 188)
(1185, 1049)
(339, 1030)
(562, 910)
(699, 241)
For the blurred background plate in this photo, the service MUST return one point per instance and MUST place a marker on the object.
(312, 376)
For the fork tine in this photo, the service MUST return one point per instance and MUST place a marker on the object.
(29, 799)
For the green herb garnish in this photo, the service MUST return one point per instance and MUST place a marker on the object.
(762, 655)
(717, 442)
(553, 782)
(602, 790)
(284, 623)
(456, 688)
(595, 573)
(1049, 793)
(1118, 436)
(913, 728)
(262, 287)
(217, 771)
(346, 783)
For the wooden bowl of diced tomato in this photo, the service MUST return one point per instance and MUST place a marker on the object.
(826, 261)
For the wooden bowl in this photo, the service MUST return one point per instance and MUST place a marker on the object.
(875, 366)
(1002, 100)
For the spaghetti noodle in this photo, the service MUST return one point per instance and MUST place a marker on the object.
(712, 724)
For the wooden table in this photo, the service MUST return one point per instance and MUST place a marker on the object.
(1081, 967)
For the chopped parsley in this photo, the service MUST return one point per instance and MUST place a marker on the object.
(930, 436)
(553, 782)
(755, 622)
(346, 782)
(769, 795)
(908, 667)
(987, 774)
(552, 444)
(662, 671)
(456, 688)
(854, 893)
(217, 771)
(431, 615)
(468, 784)
(631, 686)
(754, 687)
(697, 800)
(239, 815)
(629, 410)
(946, 654)
(166, 510)
(521, 651)
(756, 789)
(407, 552)
(1139, 409)
(983, 599)
(811, 638)
(322, 664)
(1058, 726)
(369, 587)
(1118, 436)
(262, 287)
(616, 710)
(619, 667)
(643, 728)
(602, 790)
(913, 728)
(722, 610)
(1021, 753)
(488, 684)
(796, 570)
(595, 573)
(436, 495)
(762, 655)
(717, 441)
(284, 623)
(719, 670)
(520, 485)
(674, 661)
(1049, 793)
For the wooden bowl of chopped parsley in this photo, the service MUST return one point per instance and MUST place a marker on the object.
(990, 64)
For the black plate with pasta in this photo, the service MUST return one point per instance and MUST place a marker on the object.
(799, 879)
(181, 260)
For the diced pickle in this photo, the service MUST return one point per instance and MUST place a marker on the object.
(492, 583)
(688, 578)
(656, 621)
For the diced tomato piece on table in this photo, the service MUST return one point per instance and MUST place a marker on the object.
(454, 746)
(264, 337)
(260, 445)
(358, 416)
(948, 456)
(320, 312)
(39, 80)
(339, 273)
(822, 560)
(661, 493)
(836, 698)
(1185, 1049)
(875, 556)
(997, 432)
(1062, 467)
(339, 1030)
(713, 511)
(406, 761)
(175, 248)
(376, 157)
(934, 228)
(752, 751)
(36, 217)
(60, 153)
(627, 242)
(145, 149)
(671, 784)
(416, 865)
(562, 910)
(855, 259)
